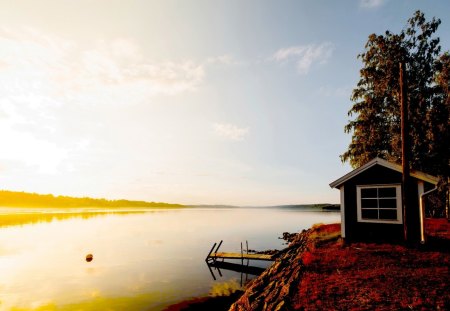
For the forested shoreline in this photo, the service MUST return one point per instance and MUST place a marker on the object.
(25, 199)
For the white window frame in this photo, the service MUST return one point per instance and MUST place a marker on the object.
(398, 191)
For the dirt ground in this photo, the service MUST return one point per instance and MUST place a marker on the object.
(369, 276)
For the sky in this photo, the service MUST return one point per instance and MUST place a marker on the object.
(193, 102)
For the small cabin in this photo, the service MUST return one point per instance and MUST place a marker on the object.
(371, 203)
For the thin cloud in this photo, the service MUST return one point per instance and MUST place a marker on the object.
(371, 4)
(225, 59)
(231, 131)
(56, 91)
(68, 68)
(304, 56)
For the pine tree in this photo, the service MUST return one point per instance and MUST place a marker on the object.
(376, 126)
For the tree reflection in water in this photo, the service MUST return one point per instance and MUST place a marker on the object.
(43, 216)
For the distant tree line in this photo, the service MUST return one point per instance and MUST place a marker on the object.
(24, 199)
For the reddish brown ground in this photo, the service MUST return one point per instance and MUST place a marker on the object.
(319, 272)
(437, 227)
(368, 276)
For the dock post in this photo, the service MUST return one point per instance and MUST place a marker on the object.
(248, 260)
(215, 252)
(207, 257)
(212, 273)
(218, 246)
(242, 255)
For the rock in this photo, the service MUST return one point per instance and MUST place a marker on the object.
(270, 289)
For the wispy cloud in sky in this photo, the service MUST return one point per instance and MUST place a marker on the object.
(231, 131)
(305, 56)
(371, 4)
(225, 59)
(64, 67)
(95, 98)
(54, 90)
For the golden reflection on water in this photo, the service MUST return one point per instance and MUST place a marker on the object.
(136, 302)
(143, 260)
(225, 288)
(43, 261)
(33, 216)
(98, 302)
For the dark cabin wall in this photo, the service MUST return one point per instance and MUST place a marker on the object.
(379, 175)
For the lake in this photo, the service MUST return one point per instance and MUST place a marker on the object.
(142, 259)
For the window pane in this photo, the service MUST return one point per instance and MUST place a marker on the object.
(369, 203)
(388, 214)
(387, 192)
(388, 203)
(368, 192)
(369, 214)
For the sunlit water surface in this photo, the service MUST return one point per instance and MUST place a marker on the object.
(142, 260)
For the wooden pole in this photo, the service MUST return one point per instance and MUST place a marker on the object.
(218, 246)
(405, 146)
(207, 257)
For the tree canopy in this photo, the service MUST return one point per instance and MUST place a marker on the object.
(375, 127)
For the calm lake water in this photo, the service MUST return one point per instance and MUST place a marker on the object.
(143, 260)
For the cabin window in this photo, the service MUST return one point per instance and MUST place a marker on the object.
(379, 203)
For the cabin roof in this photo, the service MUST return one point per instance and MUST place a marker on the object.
(393, 166)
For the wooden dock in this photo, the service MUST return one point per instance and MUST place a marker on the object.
(241, 256)
(237, 267)
(214, 254)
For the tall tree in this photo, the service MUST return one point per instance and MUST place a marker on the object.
(376, 126)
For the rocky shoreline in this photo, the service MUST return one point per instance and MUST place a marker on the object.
(274, 289)
(318, 271)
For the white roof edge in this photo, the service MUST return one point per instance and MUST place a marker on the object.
(393, 166)
(424, 176)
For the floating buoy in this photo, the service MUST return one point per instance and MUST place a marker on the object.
(89, 257)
